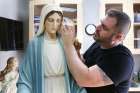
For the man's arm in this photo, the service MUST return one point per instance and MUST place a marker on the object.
(86, 77)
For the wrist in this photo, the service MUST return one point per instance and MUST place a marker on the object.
(68, 46)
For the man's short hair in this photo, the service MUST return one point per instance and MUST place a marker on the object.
(123, 21)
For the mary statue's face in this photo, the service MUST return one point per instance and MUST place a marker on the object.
(52, 23)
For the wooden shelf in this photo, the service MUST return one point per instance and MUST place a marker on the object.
(136, 38)
(135, 51)
(134, 89)
(136, 23)
(136, 1)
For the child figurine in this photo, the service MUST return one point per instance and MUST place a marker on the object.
(9, 76)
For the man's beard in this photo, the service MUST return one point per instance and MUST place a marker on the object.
(96, 38)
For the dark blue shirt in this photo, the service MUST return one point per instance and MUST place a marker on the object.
(116, 62)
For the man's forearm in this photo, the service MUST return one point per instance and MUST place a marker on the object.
(76, 66)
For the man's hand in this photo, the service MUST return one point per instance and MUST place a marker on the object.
(68, 35)
(77, 46)
(1, 77)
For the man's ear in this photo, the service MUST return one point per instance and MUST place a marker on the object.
(119, 37)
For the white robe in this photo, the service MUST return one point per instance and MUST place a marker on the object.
(53, 60)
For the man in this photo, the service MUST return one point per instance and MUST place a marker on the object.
(108, 64)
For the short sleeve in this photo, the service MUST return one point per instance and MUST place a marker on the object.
(117, 67)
